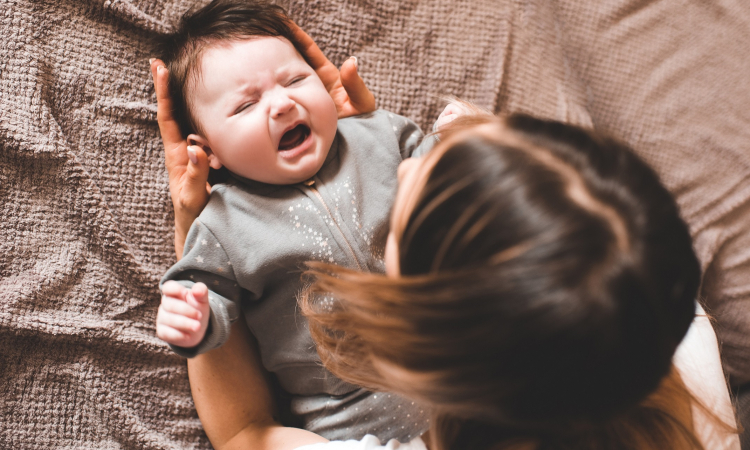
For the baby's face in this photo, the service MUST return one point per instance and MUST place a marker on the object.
(264, 112)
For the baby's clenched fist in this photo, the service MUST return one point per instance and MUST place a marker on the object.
(183, 315)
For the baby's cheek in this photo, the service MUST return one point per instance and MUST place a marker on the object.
(330, 119)
(252, 157)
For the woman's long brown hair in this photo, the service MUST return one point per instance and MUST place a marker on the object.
(546, 281)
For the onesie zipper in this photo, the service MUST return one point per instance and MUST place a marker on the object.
(311, 185)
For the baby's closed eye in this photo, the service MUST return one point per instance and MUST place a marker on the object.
(296, 80)
(243, 107)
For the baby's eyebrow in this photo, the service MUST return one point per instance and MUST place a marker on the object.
(292, 68)
(247, 89)
(236, 97)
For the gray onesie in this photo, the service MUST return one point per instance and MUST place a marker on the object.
(251, 242)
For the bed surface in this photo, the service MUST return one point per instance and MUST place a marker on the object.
(86, 221)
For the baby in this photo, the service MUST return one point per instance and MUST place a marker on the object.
(303, 187)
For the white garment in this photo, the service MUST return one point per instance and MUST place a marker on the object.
(697, 360)
(368, 442)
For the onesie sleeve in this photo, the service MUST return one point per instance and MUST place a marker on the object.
(205, 260)
(425, 146)
(411, 140)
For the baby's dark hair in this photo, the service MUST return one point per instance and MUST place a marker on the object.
(219, 21)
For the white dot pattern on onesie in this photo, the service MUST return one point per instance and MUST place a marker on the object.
(332, 418)
(341, 193)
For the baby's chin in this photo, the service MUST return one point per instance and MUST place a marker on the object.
(294, 173)
(306, 168)
(301, 176)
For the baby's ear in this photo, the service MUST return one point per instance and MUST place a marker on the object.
(200, 141)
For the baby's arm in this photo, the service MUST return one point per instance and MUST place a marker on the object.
(227, 378)
(233, 399)
(183, 315)
(205, 261)
(228, 384)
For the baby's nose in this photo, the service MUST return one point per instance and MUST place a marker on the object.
(281, 104)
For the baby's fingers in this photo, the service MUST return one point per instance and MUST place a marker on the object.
(174, 289)
(177, 321)
(198, 296)
(171, 335)
(180, 307)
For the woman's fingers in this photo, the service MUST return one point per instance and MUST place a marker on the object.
(188, 171)
(326, 71)
(175, 153)
(170, 130)
(313, 53)
(361, 99)
(348, 90)
(196, 188)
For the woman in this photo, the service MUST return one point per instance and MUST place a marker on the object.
(539, 281)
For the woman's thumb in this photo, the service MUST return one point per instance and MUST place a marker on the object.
(197, 171)
(355, 87)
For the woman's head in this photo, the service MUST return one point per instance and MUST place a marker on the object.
(544, 280)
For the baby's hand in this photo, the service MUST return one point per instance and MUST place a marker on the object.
(183, 315)
(450, 113)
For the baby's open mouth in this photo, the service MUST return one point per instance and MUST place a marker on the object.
(294, 137)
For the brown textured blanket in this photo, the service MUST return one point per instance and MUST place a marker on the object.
(85, 216)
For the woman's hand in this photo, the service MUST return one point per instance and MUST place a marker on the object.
(188, 165)
(346, 87)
